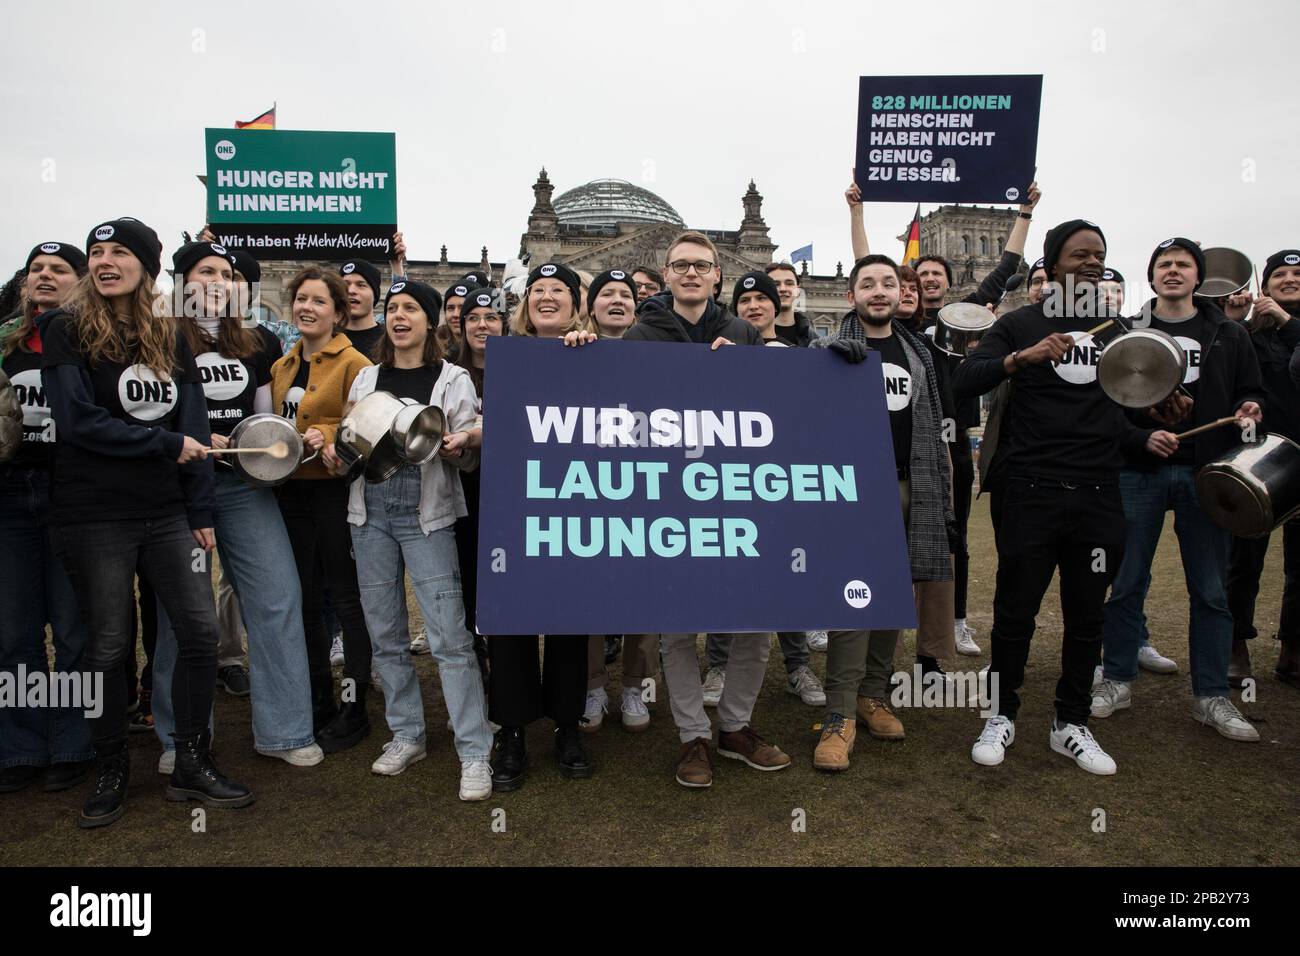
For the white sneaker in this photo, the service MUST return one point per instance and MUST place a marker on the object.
(475, 780)
(1110, 696)
(714, 679)
(818, 641)
(420, 643)
(636, 715)
(167, 762)
(998, 734)
(336, 651)
(1152, 660)
(1219, 713)
(594, 714)
(1079, 743)
(397, 756)
(965, 640)
(308, 756)
(804, 683)
(1098, 675)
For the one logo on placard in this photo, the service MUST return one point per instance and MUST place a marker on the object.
(1013, 194)
(1166, 244)
(144, 396)
(857, 594)
(223, 378)
(898, 386)
(617, 274)
(396, 287)
(460, 290)
(1078, 365)
(350, 268)
(1193, 350)
(548, 270)
(50, 248)
(225, 150)
(748, 283)
(104, 232)
(1292, 260)
(219, 250)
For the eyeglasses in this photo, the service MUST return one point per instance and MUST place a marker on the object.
(647, 286)
(683, 266)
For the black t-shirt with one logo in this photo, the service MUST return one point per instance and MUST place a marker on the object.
(92, 486)
(24, 371)
(413, 383)
(1193, 335)
(898, 395)
(293, 398)
(230, 385)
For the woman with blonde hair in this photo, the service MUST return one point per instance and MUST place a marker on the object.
(132, 488)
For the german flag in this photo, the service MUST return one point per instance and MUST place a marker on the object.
(265, 121)
(911, 239)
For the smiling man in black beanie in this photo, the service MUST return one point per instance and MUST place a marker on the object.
(363, 283)
(1061, 453)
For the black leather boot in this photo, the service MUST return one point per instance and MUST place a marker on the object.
(196, 776)
(349, 728)
(509, 759)
(568, 751)
(112, 774)
(323, 707)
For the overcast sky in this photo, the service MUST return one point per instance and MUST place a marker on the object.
(1159, 118)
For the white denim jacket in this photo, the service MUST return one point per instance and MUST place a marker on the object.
(442, 500)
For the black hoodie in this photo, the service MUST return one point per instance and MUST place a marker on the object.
(1274, 348)
(657, 322)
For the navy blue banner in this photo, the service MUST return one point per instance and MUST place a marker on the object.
(947, 139)
(635, 487)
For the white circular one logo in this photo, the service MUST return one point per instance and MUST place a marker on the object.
(460, 290)
(618, 274)
(548, 270)
(748, 283)
(1292, 260)
(396, 287)
(1166, 244)
(857, 594)
(144, 396)
(1192, 348)
(483, 299)
(1079, 364)
(225, 150)
(31, 396)
(104, 232)
(292, 399)
(1013, 194)
(350, 268)
(223, 378)
(898, 386)
(50, 248)
(219, 250)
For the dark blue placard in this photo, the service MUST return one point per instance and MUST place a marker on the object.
(823, 412)
(947, 139)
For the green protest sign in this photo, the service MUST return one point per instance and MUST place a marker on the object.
(298, 194)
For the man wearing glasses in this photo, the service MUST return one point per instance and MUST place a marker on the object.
(687, 312)
(648, 282)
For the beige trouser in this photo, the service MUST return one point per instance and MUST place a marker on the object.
(935, 634)
(640, 659)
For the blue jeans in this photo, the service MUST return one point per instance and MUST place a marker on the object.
(387, 545)
(258, 561)
(34, 590)
(1204, 549)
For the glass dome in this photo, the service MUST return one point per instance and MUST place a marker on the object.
(608, 202)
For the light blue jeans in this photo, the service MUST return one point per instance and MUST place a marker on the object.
(1203, 546)
(389, 544)
(258, 561)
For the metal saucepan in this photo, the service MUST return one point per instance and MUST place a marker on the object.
(1254, 488)
(1141, 368)
(11, 419)
(418, 431)
(262, 431)
(960, 324)
(1227, 272)
(386, 432)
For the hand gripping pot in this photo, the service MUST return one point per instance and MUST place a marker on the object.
(11, 419)
(383, 432)
(1254, 488)
(262, 431)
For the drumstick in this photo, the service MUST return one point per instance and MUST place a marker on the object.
(1094, 331)
(277, 450)
(1205, 428)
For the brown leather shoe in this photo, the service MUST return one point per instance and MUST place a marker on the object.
(838, 735)
(880, 720)
(1239, 664)
(745, 744)
(695, 764)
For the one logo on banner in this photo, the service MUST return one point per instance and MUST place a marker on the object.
(289, 407)
(225, 150)
(31, 396)
(1193, 349)
(223, 378)
(898, 387)
(50, 248)
(104, 232)
(1013, 194)
(144, 396)
(1079, 364)
(548, 270)
(857, 594)
(396, 287)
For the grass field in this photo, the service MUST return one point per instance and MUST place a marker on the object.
(1183, 794)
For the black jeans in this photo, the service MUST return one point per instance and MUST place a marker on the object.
(1245, 565)
(316, 517)
(146, 621)
(101, 558)
(520, 691)
(1047, 526)
(963, 480)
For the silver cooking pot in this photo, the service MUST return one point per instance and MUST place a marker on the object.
(1227, 272)
(1141, 368)
(1254, 488)
(262, 431)
(960, 325)
(381, 433)
(11, 419)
